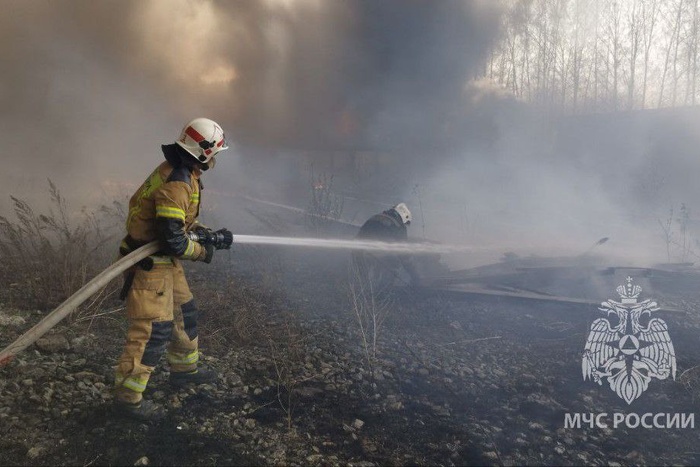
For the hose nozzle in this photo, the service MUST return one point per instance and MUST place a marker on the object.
(221, 239)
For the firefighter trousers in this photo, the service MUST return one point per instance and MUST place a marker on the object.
(162, 314)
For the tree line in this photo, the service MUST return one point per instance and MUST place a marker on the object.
(585, 56)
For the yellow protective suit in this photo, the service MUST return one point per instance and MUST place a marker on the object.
(160, 307)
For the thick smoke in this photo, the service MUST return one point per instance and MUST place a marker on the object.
(95, 85)
(90, 90)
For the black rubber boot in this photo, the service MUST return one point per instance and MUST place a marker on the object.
(198, 376)
(146, 411)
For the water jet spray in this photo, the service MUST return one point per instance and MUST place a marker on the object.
(113, 271)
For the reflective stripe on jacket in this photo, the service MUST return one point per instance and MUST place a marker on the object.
(164, 208)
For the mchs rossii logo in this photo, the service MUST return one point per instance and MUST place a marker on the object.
(629, 348)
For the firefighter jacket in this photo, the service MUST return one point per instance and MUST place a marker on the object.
(165, 207)
(387, 226)
(383, 227)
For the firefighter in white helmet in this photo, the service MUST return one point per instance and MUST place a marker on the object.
(384, 269)
(159, 305)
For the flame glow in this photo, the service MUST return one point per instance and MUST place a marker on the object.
(222, 74)
(190, 44)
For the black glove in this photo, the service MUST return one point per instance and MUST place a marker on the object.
(200, 229)
(210, 253)
(224, 239)
(202, 235)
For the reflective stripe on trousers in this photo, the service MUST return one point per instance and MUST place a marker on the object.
(157, 304)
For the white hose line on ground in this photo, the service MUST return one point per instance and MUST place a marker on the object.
(75, 300)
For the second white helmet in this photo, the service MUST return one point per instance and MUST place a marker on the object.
(202, 138)
(402, 210)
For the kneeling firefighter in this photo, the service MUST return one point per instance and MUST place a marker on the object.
(160, 308)
(383, 269)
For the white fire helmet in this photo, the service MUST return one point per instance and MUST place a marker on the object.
(202, 138)
(402, 210)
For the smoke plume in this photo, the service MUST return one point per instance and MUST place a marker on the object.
(90, 90)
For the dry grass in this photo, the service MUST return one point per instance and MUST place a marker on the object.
(287, 348)
(370, 305)
(690, 379)
(232, 315)
(46, 257)
(245, 312)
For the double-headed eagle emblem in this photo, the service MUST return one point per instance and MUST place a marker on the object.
(627, 351)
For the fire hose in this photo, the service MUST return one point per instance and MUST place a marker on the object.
(203, 236)
(219, 239)
(75, 300)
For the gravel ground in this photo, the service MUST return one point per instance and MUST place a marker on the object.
(458, 380)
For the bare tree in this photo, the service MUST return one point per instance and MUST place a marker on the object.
(324, 206)
(635, 26)
(667, 229)
(371, 303)
(683, 230)
(692, 53)
(577, 51)
(588, 55)
(673, 25)
(613, 34)
(649, 16)
(541, 37)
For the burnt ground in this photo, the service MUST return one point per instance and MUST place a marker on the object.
(458, 380)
